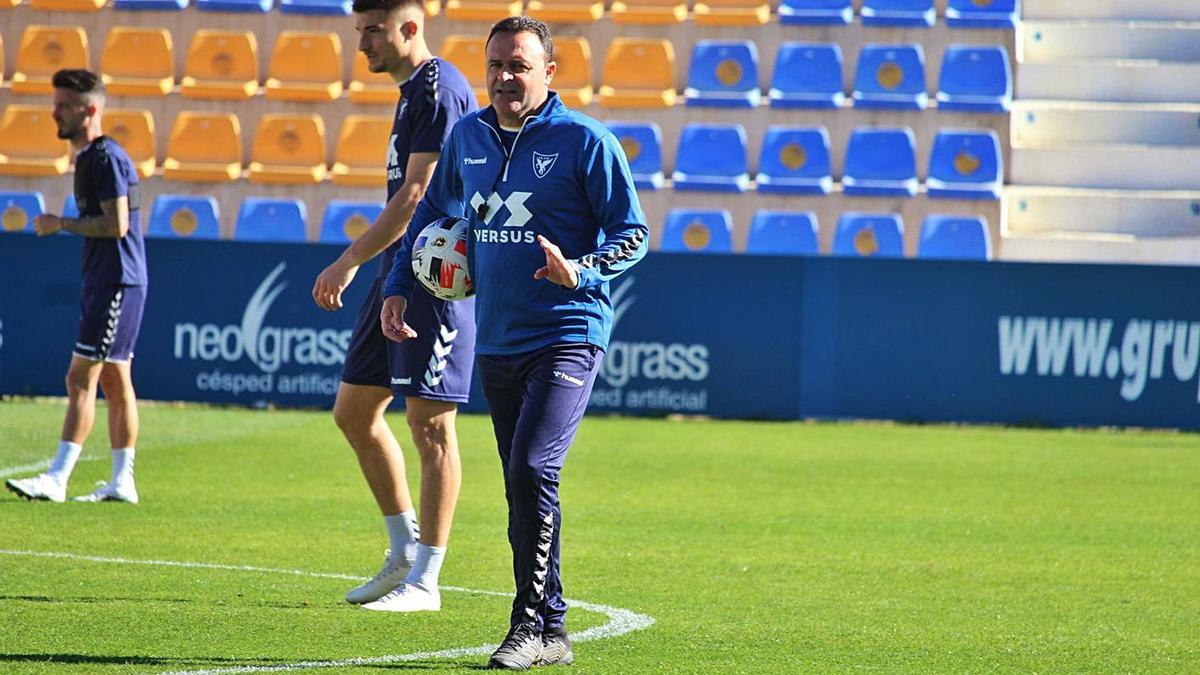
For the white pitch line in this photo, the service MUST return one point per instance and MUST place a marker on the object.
(40, 465)
(620, 621)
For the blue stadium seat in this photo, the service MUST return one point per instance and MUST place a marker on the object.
(150, 5)
(795, 160)
(70, 208)
(807, 75)
(184, 216)
(325, 7)
(965, 164)
(881, 162)
(723, 74)
(867, 235)
(698, 231)
(839, 12)
(891, 76)
(783, 233)
(898, 13)
(983, 13)
(344, 221)
(712, 158)
(18, 209)
(234, 5)
(955, 237)
(642, 142)
(268, 219)
(975, 78)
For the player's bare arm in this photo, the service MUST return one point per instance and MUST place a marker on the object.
(392, 319)
(558, 268)
(387, 228)
(113, 224)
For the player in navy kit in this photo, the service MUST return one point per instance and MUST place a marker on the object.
(107, 192)
(432, 374)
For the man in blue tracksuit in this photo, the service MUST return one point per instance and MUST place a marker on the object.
(554, 217)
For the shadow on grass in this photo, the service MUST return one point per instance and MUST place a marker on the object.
(91, 599)
(176, 662)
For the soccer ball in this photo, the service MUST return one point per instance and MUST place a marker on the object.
(439, 259)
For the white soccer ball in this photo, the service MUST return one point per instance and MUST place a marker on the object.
(439, 259)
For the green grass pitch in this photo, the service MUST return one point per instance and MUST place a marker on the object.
(754, 547)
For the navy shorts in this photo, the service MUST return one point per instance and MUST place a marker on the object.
(435, 365)
(110, 318)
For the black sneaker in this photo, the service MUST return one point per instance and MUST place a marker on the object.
(522, 648)
(556, 648)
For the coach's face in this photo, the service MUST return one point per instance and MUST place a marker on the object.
(385, 38)
(518, 75)
(72, 111)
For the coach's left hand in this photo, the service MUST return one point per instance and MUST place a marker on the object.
(558, 269)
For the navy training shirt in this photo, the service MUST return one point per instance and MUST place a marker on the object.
(102, 172)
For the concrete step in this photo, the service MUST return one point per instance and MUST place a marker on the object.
(1049, 41)
(1122, 167)
(1043, 122)
(1164, 10)
(1031, 210)
(1099, 248)
(1110, 80)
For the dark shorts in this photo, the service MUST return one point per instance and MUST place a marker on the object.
(435, 365)
(110, 318)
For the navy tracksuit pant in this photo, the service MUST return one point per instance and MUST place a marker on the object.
(537, 400)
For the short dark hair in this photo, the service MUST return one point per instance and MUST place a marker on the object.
(79, 80)
(525, 24)
(361, 6)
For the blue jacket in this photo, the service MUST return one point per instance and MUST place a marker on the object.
(568, 180)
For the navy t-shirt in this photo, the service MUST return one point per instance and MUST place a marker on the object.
(431, 102)
(102, 172)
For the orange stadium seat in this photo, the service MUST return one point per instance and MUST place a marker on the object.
(467, 54)
(649, 11)
(482, 10)
(638, 73)
(732, 12)
(361, 153)
(221, 65)
(566, 11)
(204, 147)
(305, 66)
(288, 149)
(134, 131)
(138, 61)
(43, 51)
(367, 88)
(67, 5)
(9, 4)
(29, 143)
(573, 78)
(1, 51)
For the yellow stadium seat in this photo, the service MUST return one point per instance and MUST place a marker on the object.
(43, 51)
(648, 11)
(305, 66)
(433, 7)
(29, 143)
(204, 147)
(490, 11)
(138, 61)
(67, 5)
(134, 131)
(288, 148)
(638, 73)
(9, 4)
(367, 88)
(468, 54)
(732, 12)
(221, 65)
(566, 11)
(361, 155)
(573, 78)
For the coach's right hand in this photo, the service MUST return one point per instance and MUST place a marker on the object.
(392, 319)
(327, 291)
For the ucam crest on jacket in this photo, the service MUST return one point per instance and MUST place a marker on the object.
(566, 179)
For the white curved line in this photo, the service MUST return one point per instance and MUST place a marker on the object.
(620, 621)
(40, 465)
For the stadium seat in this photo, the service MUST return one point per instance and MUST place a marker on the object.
(275, 220)
(150, 5)
(361, 155)
(642, 142)
(67, 5)
(319, 7)
(794, 160)
(573, 78)
(305, 66)
(204, 147)
(565, 11)
(866, 235)
(186, 216)
(18, 209)
(467, 53)
(638, 73)
(70, 209)
(983, 13)
(288, 149)
(920, 13)
(9, 4)
(723, 74)
(965, 164)
(138, 61)
(489, 11)
(1, 54)
(731, 12)
(259, 6)
(367, 88)
(698, 231)
(134, 131)
(891, 76)
(807, 75)
(344, 221)
(652, 12)
(955, 237)
(711, 158)
(43, 51)
(881, 162)
(783, 233)
(839, 12)
(221, 65)
(29, 143)
(975, 78)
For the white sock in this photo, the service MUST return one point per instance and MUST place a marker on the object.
(64, 461)
(403, 533)
(428, 566)
(122, 470)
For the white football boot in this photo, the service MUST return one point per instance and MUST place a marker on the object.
(385, 581)
(408, 598)
(106, 492)
(42, 486)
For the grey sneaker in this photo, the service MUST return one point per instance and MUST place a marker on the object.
(556, 648)
(521, 649)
